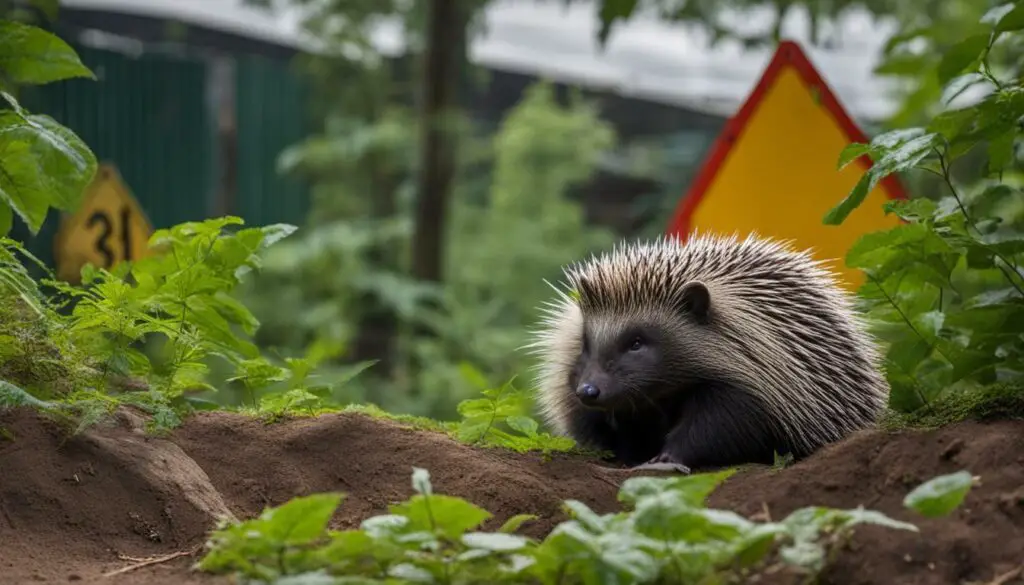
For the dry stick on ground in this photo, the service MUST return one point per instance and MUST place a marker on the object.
(150, 561)
(1006, 577)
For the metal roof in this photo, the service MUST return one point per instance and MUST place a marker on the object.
(644, 58)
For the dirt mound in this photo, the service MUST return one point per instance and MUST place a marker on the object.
(72, 510)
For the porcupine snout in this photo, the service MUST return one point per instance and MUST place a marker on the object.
(595, 388)
(587, 393)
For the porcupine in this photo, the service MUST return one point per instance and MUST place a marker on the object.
(711, 352)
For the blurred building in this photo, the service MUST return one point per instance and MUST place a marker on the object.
(196, 97)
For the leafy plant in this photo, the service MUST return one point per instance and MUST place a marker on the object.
(499, 419)
(944, 289)
(43, 164)
(667, 534)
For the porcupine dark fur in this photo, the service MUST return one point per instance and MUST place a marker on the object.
(711, 352)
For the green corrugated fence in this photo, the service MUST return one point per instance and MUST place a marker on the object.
(148, 116)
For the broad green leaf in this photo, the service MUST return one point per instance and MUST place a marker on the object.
(993, 297)
(894, 151)
(29, 54)
(515, 522)
(960, 56)
(995, 13)
(300, 520)
(585, 516)
(494, 541)
(754, 545)
(523, 424)
(1000, 150)
(407, 572)
(941, 495)
(988, 202)
(804, 554)
(851, 153)
(916, 210)
(951, 123)
(1012, 20)
(668, 516)
(448, 515)
(384, 526)
(694, 489)
(42, 164)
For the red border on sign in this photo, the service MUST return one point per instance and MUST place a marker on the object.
(788, 54)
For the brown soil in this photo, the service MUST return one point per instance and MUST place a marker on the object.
(72, 510)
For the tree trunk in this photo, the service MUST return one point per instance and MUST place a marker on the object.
(444, 56)
(378, 325)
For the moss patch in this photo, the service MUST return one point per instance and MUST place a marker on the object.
(984, 403)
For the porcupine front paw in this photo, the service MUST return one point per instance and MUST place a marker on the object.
(663, 462)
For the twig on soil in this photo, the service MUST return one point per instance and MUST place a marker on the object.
(607, 481)
(1007, 576)
(764, 514)
(140, 563)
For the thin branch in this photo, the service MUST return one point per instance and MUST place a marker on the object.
(906, 320)
(963, 209)
(141, 563)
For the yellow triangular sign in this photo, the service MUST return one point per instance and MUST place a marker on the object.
(773, 168)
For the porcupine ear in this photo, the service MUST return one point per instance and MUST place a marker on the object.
(697, 301)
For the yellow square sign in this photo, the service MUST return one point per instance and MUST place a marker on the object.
(109, 227)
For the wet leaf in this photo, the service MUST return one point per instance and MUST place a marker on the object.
(1012, 20)
(447, 515)
(29, 54)
(494, 541)
(300, 520)
(961, 55)
(939, 496)
(42, 164)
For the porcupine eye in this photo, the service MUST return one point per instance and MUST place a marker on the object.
(637, 344)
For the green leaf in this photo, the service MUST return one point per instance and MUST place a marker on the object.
(895, 151)
(694, 489)
(301, 520)
(42, 164)
(1012, 20)
(515, 522)
(585, 516)
(1000, 150)
(941, 495)
(951, 123)
(29, 54)
(523, 424)
(494, 541)
(960, 56)
(447, 515)
(851, 153)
